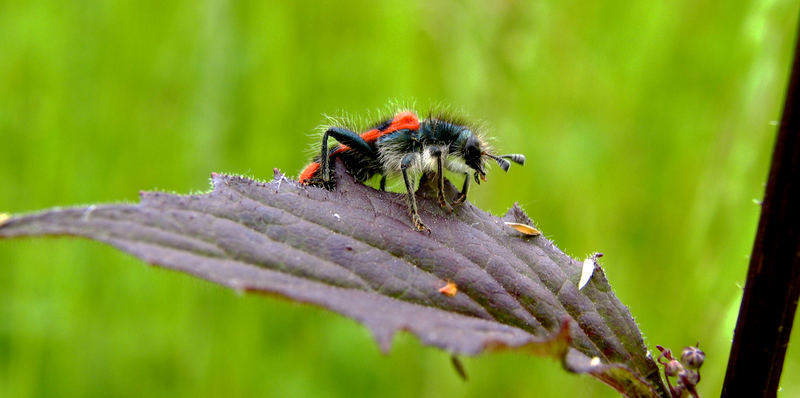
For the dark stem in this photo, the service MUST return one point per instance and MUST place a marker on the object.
(773, 280)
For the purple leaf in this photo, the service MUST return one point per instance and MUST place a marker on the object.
(354, 251)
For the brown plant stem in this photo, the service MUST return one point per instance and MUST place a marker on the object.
(773, 279)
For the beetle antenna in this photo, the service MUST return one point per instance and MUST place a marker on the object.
(500, 161)
(516, 158)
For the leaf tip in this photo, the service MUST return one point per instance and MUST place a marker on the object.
(384, 336)
(517, 214)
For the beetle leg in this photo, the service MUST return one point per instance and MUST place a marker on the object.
(437, 153)
(412, 202)
(463, 195)
(345, 137)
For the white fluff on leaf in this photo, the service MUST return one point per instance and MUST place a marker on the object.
(586, 272)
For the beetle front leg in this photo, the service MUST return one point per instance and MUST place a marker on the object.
(412, 201)
(463, 195)
(437, 153)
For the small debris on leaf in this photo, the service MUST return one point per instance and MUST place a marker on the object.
(3, 218)
(524, 228)
(588, 269)
(450, 289)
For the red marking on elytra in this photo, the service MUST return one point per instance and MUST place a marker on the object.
(308, 172)
(401, 121)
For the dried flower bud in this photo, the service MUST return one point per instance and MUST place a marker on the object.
(693, 358)
(672, 368)
(688, 378)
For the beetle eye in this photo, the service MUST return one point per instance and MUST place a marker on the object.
(472, 152)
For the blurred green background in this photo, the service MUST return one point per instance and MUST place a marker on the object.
(648, 128)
